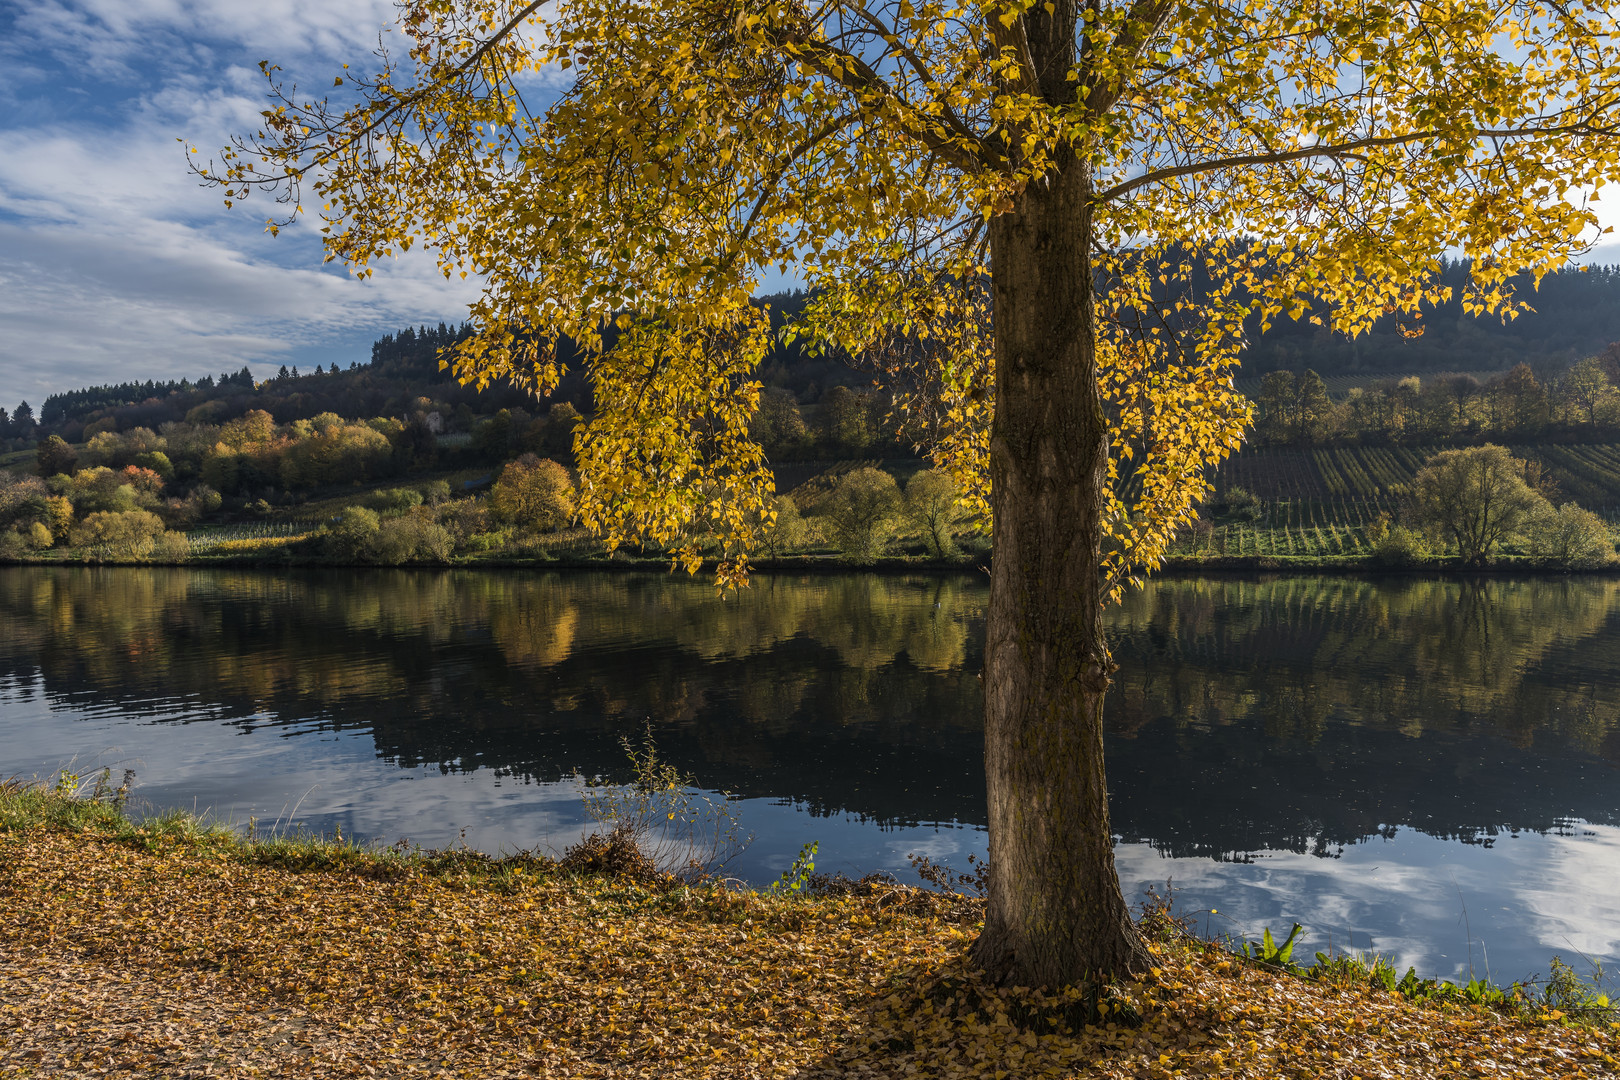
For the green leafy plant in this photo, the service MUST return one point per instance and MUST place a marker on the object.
(798, 874)
(1268, 952)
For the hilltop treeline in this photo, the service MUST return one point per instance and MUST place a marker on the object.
(1580, 403)
(1576, 313)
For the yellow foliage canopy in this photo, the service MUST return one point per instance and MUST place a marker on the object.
(642, 165)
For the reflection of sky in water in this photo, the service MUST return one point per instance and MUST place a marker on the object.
(1527, 896)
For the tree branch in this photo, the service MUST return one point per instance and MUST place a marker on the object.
(404, 102)
(1333, 150)
(854, 74)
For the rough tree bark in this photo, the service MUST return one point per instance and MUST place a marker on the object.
(1056, 915)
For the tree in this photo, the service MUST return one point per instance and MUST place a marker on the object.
(777, 423)
(1584, 387)
(53, 455)
(253, 428)
(533, 493)
(354, 532)
(1278, 391)
(1003, 206)
(1476, 498)
(22, 421)
(1523, 400)
(128, 534)
(933, 507)
(847, 418)
(863, 509)
(787, 530)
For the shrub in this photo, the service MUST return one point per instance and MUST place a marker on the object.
(1401, 547)
(172, 547)
(414, 536)
(13, 544)
(863, 510)
(1240, 504)
(351, 535)
(464, 518)
(436, 492)
(39, 537)
(1572, 536)
(394, 501)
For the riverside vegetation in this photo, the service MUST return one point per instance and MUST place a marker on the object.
(329, 490)
(294, 468)
(175, 946)
(1345, 507)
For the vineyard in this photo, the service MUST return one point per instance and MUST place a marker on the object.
(246, 536)
(1324, 501)
(1363, 481)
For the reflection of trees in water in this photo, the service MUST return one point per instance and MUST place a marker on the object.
(1288, 713)
(1417, 655)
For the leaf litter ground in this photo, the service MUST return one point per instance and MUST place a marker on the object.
(189, 960)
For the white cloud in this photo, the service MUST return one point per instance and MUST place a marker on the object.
(114, 264)
(113, 38)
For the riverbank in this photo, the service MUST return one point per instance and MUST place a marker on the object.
(168, 948)
(277, 558)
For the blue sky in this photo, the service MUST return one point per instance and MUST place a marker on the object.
(114, 265)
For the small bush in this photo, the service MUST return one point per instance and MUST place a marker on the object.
(1401, 546)
(1240, 504)
(394, 501)
(414, 536)
(39, 537)
(788, 530)
(615, 852)
(1572, 537)
(13, 544)
(172, 547)
(350, 537)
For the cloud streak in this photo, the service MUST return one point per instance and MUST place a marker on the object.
(114, 264)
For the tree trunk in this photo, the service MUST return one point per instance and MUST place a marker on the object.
(1056, 915)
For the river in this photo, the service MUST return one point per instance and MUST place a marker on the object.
(1425, 767)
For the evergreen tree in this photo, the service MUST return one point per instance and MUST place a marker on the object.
(22, 421)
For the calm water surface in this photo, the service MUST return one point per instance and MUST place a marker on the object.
(1428, 768)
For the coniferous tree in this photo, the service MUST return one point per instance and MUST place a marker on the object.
(22, 421)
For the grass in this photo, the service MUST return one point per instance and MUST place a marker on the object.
(173, 946)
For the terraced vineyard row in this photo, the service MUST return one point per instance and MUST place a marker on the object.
(1333, 526)
(1363, 481)
(208, 538)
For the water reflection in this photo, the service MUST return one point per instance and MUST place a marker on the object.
(1301, 731)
